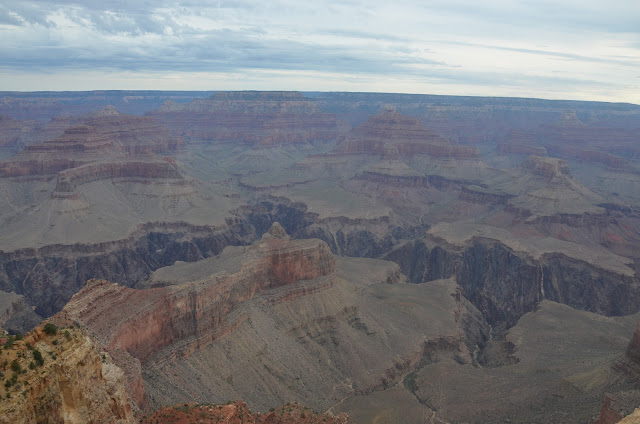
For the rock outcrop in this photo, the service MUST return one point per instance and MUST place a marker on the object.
(60, 376)
(391, 135)
(617, 406)
(105, 135)
(504, 284)
(197, 313)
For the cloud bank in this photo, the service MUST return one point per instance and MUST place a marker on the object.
(534, 48)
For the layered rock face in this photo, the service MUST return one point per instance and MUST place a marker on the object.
(543, 187)
(172, 322)
(195, 314)
(195, 309)
(505, 283)
(266, 324)
(68, 179)
(73, 383)
(254, 118)
(547, 168)
(50, 276)
(103, 136)
(109, 132)
(390, 134)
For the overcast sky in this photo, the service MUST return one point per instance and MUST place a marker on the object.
(586, 49)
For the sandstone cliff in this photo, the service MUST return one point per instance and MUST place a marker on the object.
(62, 377)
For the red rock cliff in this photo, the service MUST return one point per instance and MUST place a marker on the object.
(187, 316)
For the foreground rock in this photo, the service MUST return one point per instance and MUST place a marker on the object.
(61, 377)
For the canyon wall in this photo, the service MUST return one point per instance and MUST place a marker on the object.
(49, 276)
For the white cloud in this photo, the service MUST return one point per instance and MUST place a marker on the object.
(571, 49)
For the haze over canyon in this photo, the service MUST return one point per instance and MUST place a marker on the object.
(318, 257)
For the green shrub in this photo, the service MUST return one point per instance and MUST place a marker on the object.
(37, 356)
(50, 328)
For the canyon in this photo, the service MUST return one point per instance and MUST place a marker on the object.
(402, 258)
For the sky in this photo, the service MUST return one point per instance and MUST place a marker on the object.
(582, 50)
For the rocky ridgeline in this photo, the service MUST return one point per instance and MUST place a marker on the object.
(176, 320)
(58, 375)
(254, 118)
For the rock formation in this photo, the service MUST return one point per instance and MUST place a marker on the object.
(390, 135)
(197, 313)
(58, 375)
(254, 118)
(100, 137)
(516, 222)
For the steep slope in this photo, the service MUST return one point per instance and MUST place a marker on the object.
(253, 322)
(280, 321)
